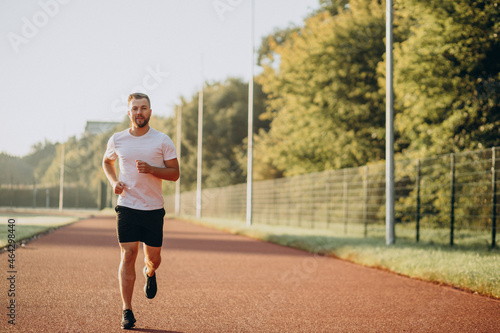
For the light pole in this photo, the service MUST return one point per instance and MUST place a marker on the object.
(178, 142)
(200, 145)
(390, 237)
(61, 180)
(250, 121)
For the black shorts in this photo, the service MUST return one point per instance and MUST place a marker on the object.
(135, 225)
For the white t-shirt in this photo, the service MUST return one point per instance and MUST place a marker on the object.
(142, 191)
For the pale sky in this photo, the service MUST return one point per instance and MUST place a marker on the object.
(65, 62)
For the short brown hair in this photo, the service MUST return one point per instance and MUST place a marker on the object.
(138, 96)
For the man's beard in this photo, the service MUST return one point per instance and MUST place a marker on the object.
(144, 122)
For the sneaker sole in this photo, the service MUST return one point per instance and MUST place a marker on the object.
(146, 285)
(128, 327)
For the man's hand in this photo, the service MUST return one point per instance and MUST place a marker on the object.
(169, 172)
(143, 167)
(118, 187)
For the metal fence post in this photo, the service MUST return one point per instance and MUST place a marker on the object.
(299, 201)
(365, 199)
(11, 191)
(34, 195)
(346, 204)
(493, 198)
(328, 198)
(417, 181)
(289, 201)
(312, 199)
(274, 205)
(452, 199)
(277, 200)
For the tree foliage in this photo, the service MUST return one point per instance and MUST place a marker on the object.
(446, 77)
(334, 7)
(320, 99)
(15, 171)
(225, 124)
(326, 108)
(28, 169)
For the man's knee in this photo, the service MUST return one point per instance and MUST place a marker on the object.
(128, 258)
(153, 260)
(129, 255)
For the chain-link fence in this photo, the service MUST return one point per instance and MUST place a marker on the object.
(47, 196)
(447, 199)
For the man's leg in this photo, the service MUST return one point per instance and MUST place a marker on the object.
(152, 258)
(153, 240)
(126, 273)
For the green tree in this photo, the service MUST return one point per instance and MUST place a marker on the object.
(277, 37)
(40, 157)
(15, 171)
(446, 78)
(326, 108)
(28, 169)
(334, 7)
(225, 123)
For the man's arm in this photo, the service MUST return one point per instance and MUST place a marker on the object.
(169, 172)
(110, 172)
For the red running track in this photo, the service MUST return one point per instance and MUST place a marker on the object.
(210, 281)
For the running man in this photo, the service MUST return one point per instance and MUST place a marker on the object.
(146, 157)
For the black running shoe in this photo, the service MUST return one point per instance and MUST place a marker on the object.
(150, 287)
(128, 319)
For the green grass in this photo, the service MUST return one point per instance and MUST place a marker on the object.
(27, 226)
(470, 265)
